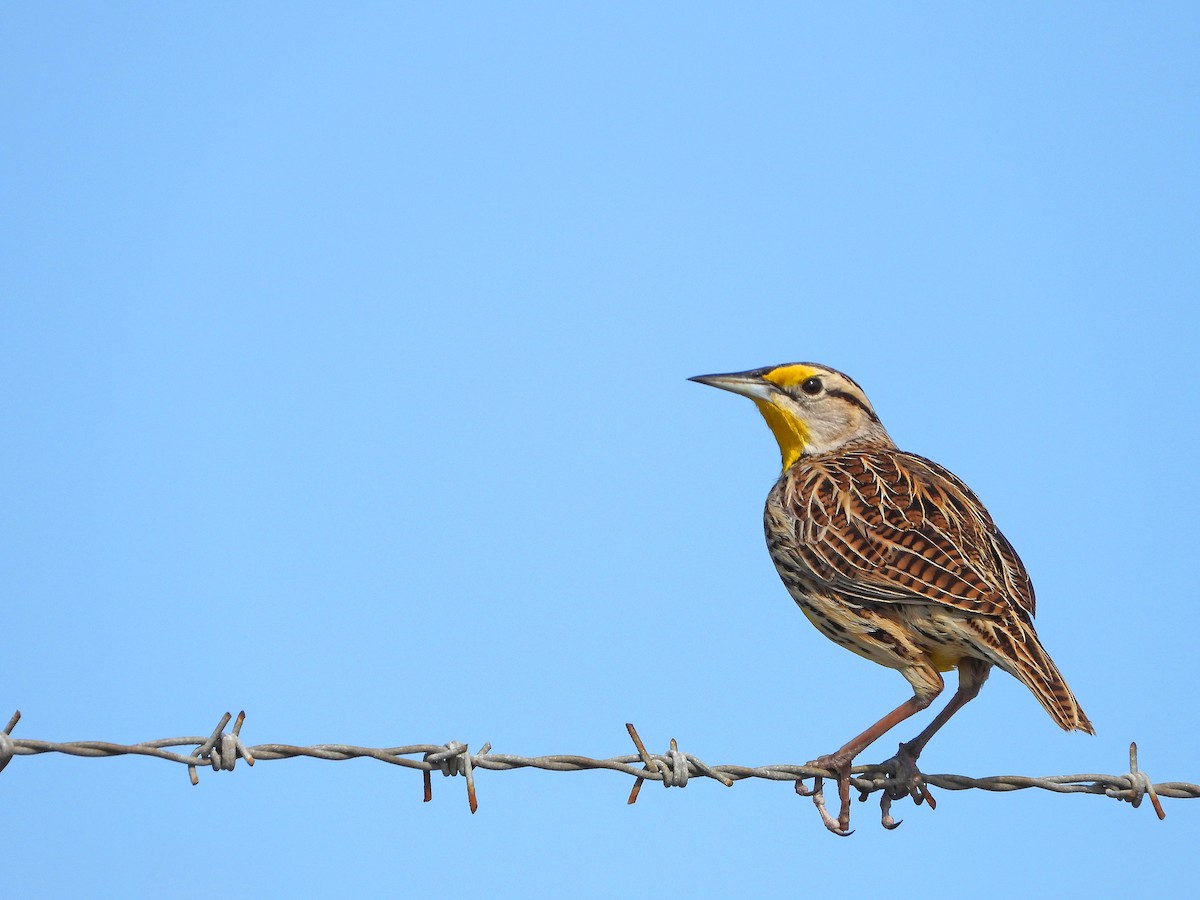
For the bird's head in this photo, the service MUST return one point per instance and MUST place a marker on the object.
(810, 408)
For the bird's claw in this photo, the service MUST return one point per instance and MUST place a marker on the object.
(901, 779)
(904, 779)
(841, 768)
(885, 806)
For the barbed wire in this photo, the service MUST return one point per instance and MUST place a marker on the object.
(222, 749)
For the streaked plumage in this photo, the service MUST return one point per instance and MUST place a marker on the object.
(892, 556)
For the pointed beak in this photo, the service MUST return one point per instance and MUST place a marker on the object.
(748, 384)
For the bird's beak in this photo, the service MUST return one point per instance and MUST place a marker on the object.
(748, 384)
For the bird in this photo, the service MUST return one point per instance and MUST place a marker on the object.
(893, 557)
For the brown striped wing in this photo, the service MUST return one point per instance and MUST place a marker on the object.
(887, 526)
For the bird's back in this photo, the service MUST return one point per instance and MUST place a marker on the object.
(893, 556)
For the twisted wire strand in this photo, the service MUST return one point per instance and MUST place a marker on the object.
(222, 749)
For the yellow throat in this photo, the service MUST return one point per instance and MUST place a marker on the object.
(789, 431)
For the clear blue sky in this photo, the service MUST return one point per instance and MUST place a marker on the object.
(344, 354)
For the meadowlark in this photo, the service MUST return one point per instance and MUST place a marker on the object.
(894, 558)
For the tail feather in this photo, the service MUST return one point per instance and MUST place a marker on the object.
(1033, 667)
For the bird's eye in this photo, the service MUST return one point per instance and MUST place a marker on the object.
(812, 386)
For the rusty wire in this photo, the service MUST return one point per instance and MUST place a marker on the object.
(222, 749)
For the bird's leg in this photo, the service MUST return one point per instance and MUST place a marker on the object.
(839, 762)
(904, 776)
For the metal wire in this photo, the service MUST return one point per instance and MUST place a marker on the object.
(222, 749)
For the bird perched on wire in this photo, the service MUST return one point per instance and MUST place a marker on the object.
(894, 558)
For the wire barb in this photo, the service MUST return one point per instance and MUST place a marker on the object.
(454, 759)
(674, 768)
(1139, 786)
(7, 747)
(222, 750)
(671, 770)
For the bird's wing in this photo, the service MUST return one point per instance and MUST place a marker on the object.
(894, 527)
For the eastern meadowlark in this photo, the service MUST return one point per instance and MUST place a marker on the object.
(894, 558)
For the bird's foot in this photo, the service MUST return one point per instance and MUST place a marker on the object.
(903, 779)
(840, 767)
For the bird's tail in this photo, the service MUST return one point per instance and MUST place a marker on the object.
(1032, 666)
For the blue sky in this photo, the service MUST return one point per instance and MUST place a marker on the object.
(344, 355)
